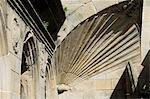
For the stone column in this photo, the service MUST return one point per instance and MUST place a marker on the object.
(52, 81)
(48, 95)
(53, 89)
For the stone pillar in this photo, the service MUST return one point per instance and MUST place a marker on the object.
(53, 89)
(52, 81)
(47, 90)
(36, 82)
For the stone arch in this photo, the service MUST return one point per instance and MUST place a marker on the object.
(29, 52)
(3, 35)
(29, 67)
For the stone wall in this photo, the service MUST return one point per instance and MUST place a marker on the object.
(13, 36)
(10, 63)
(98, 87)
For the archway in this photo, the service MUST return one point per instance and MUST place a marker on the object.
(29, 68)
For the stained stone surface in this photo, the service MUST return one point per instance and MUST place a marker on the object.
(10, 64)
(39, 81)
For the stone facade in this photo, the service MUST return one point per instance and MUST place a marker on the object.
(17, 42)
(27, 71)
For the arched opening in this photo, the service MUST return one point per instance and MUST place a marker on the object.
(29, 68)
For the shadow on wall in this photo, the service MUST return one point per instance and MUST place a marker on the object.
(143, 86)
(124, 87)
